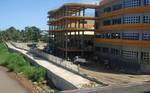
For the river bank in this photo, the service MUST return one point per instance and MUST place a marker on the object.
(21, 83)
(9, 82)
(32, 78)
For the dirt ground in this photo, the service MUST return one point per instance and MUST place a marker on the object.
(112, 78)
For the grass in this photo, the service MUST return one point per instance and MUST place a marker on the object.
(16, 63)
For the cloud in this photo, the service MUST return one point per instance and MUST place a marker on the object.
(90, 1)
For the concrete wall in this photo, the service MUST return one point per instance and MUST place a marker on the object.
(59, 82)
(145, 68)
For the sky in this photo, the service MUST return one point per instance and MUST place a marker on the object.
(22, 13)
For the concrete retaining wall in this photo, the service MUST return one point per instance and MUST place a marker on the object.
(59, 82)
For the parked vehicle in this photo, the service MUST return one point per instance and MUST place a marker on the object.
(78, 60)
(32, 45)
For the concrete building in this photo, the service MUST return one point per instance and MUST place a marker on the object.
(71, 31)
(122, 34)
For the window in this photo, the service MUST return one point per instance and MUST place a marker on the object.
(98, 49)
(107, 9)
(107, 35)
(97, 14)
(103, 35)
(146, 19)
(99, 35)
(105, 50)
(131, 19)
(130, 54)
(115, 35)
(115, 51)
(145, 56)
(130, 36)
(117, 7)
(106, 22)
(146, 2)
(132, 3)
(146, 36)
(116, 21)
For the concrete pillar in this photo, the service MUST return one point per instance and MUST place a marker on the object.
(82, 38)
(66, 42)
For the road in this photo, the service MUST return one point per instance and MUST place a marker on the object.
(140, 88)
(113, 78)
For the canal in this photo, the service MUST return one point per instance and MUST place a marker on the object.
(8, 85)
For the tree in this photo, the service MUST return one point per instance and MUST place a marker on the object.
(44, 38)
(29, 34)
(32, 33)
(11, 34)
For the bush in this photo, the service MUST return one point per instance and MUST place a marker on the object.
(15, 62)
(35, 73)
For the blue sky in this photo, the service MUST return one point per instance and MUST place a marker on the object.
(22, 13)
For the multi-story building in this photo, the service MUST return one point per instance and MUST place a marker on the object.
(71, 30)
(122, 36)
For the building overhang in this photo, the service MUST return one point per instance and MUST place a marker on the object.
(72, 7)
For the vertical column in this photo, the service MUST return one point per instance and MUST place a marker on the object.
(70, 24)
(66, 38)
(82, 36)
(79, 38)
(75, 40)
(139, 55)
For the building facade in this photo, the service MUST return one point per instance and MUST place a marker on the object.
(122, 34)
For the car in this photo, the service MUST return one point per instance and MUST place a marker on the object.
(79, 59)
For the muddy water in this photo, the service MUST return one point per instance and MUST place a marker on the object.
(8, 85)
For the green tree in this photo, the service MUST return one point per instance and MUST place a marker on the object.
(44, 38)
(32, 33)
(11, 34)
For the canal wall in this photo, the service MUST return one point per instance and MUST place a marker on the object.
(68, 65)
(60, 77)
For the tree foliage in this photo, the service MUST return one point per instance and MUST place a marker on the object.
(28, 34)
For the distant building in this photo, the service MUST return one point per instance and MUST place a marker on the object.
(122, 34)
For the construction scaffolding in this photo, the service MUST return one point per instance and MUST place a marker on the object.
(71, 31)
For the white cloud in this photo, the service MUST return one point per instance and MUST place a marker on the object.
(91, 1)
